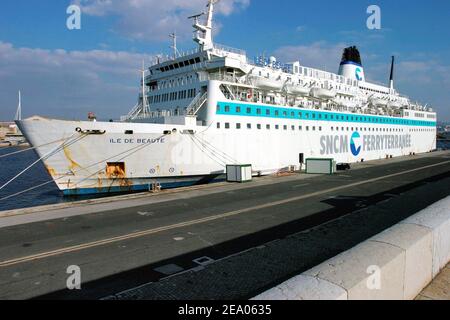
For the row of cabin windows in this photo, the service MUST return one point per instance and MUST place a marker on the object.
(180, 64)
(314, 128)
(268, 127)
(172, 96)
(312, 115)
(373, 90)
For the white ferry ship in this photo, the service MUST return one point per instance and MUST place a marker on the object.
(212, 107)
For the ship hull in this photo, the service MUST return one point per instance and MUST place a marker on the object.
(111, 157)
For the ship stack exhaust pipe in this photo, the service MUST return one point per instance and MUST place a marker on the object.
(351, 66)
(391, 78)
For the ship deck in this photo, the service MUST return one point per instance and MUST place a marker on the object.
(220, 241)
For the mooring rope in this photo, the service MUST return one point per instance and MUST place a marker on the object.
(43, 158)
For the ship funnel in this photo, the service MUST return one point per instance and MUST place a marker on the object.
(391, 78)
(351, 66)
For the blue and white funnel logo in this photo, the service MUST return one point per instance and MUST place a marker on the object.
(358, 72)
(355, 144)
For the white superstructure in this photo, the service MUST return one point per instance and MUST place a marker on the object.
(212, 107)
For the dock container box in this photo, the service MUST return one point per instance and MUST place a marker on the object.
(239, 173)
(320, 166)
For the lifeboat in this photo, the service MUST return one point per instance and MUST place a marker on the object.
(267, 84)
(322, 93)
(298, 90)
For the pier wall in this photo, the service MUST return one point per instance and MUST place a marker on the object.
(393, 265)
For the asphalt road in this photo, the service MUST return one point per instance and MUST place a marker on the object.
(120, 249)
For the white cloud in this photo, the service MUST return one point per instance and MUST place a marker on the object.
(68, 83)
(154, 19)
(320, 55)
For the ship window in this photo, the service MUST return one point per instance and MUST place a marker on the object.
(192, 61)
(249, 110)
(249, 125)
(277, 113)
(197, 60)
(227, 125)
(268, 126)
(293, 128)
(218, 125)
(285, 127)
(299, 114)
(300, 128)
(128, 131)
(166, 68)
(227, 108)
(267, 112)
(238, 125)
(292, 114)
(320, 128)
(277, 127)
(320, 116)
(238, 109)
(181, 64)
(258, 126)
(258, 111)
(284, 113)
(176, 66)
(314, 128)
(186, 63)
(218, 108)
(307, 128)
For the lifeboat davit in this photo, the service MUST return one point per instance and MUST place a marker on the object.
(377, 102)
(394, 104)
(322, 93)
(267, 84)
(298, 90)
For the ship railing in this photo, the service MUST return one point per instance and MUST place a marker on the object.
(222, 77)
(197, 103)
(223, 48)
(160, 59)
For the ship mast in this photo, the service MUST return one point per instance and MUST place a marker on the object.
(203, 32)
(144, 98)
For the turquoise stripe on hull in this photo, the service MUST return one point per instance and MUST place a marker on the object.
(263, 111)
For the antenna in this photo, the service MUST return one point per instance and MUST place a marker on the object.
(174, 45)
(19, 108)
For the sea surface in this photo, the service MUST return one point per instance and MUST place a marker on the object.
(12, 165)
(48, 194)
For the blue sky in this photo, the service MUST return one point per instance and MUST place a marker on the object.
(66, 73)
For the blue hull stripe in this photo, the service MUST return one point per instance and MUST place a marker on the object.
(264, 111)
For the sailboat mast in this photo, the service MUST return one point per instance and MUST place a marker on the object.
(19, 108)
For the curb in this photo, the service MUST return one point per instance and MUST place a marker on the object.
(396, 264)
